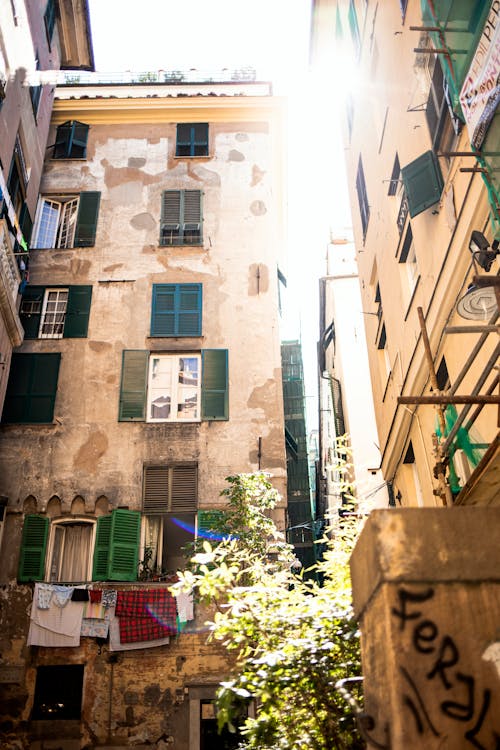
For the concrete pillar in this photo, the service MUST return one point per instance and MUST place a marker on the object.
(426, 593)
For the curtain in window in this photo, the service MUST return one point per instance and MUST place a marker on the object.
(152, 532)
(77, 544)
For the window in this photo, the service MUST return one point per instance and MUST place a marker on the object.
(71, 141)
(36, 91)
(49, 18)
(192, 139)
(55, 312)
(442, 122)
(442, 376)
(181, 218)
(58, 692)
(411, 477)
(169, 515)
(18, 177)
(403, 5)
(394, 182)
(364, 208)
(31, 389)
(384, 358)
(174, 388)
(176, 310)
(66, 221)
(74, 550)
(168, 387)
(408, 261)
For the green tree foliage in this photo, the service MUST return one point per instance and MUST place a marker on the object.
(291, 639)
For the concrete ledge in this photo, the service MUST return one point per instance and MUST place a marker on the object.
(419, 545)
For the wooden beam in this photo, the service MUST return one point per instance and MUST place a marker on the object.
(479, 399)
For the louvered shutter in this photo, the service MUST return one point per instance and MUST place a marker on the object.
(214, 384)
(86, 222)
(191, 229)
(101, 549)
(189, 309)
(45, 372)
(63, 140)
(78, 146)
(163, 314)
(423, 182)
(209, 523)
(170, 217)
(133, 386)
(76, 322)
(183, 486)
(155, 497)
(124, 545)
(33, 297)
(33, 547)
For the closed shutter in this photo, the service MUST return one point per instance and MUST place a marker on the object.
(183, 489)
(32, 386)
(31, 310)
(155, 493)
(86, 222)
(176, 310)
(101, 549)
(214, 384)
(33, 547)
(49, 18)
(25, 220)
(192, 206)
(423, 182)
(77, 312)
(124, 545)
(170, 489)
(170, 217)
(181, 217)
(133, 386)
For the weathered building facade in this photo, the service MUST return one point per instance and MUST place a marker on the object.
(34, 45)
(149, 372)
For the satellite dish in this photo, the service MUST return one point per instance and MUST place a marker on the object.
(478, 303)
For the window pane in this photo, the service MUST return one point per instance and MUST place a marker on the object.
(68, 223)
(174, 388)
(53, 314)
(48, 222)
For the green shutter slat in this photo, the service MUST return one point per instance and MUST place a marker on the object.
(32, 387)
(101, 549)
(133, 386)
(33, 546)
(208, 523)
(76, 322)
(31, 322)
(124, 545)
(214, 384)
(86, 223)
(189, 309)
(192, 206)
(423, 182)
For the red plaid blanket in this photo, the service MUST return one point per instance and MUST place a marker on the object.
(146, 615)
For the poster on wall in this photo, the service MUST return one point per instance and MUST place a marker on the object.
(480, 93)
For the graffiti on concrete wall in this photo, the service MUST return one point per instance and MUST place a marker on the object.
(461, 698)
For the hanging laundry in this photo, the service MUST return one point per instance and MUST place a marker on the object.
(116, 645)
(95, 596)
(146, 615)
(80, 595)
(109, 597)
(57, 626)
(44, 593)
(62, 595)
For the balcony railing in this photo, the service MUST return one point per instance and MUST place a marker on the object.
(191, 75)
(9, 272)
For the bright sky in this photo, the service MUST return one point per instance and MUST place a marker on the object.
(271, 36)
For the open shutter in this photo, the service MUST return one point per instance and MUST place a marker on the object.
(155, 499)
(31, 310)
(25, 220)
(208, 524)
(63, 140)
(33, 546)
(133, 386)
(214, 384)
(86, 222)
(101, 549)
(423, 182)
(76, 322)
(32, 386)
(78, 146)
(170, 217)
(124, 545)
(183, 489)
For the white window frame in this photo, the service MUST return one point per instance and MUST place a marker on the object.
(54, 527)
(61, 232)
(157, 558)
(46, 315)
(174, 389)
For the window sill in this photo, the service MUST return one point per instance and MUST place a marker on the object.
(198, 245)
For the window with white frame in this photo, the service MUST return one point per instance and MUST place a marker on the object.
(174, 388)
(71, 547)
(53, 313)
(56, 222)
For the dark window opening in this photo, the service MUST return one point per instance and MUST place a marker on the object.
(364, 208)
(71, 140)
(442, 376)
(192, 139)
(58, 692)
(409, 455)
(210, 737)
(395, 177)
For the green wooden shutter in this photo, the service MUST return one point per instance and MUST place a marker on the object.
(133, 386)
(176, 310)
(163, 316)
(101, 549)
(33, 297)
(32, 386)
(25, 220)
(423, 182)
(63, 140)
(124, 545)
(191, 217)
(86, 222)
(76, 322)
(214, 384)
(79, 137)
(210, 523)
(33, 547)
